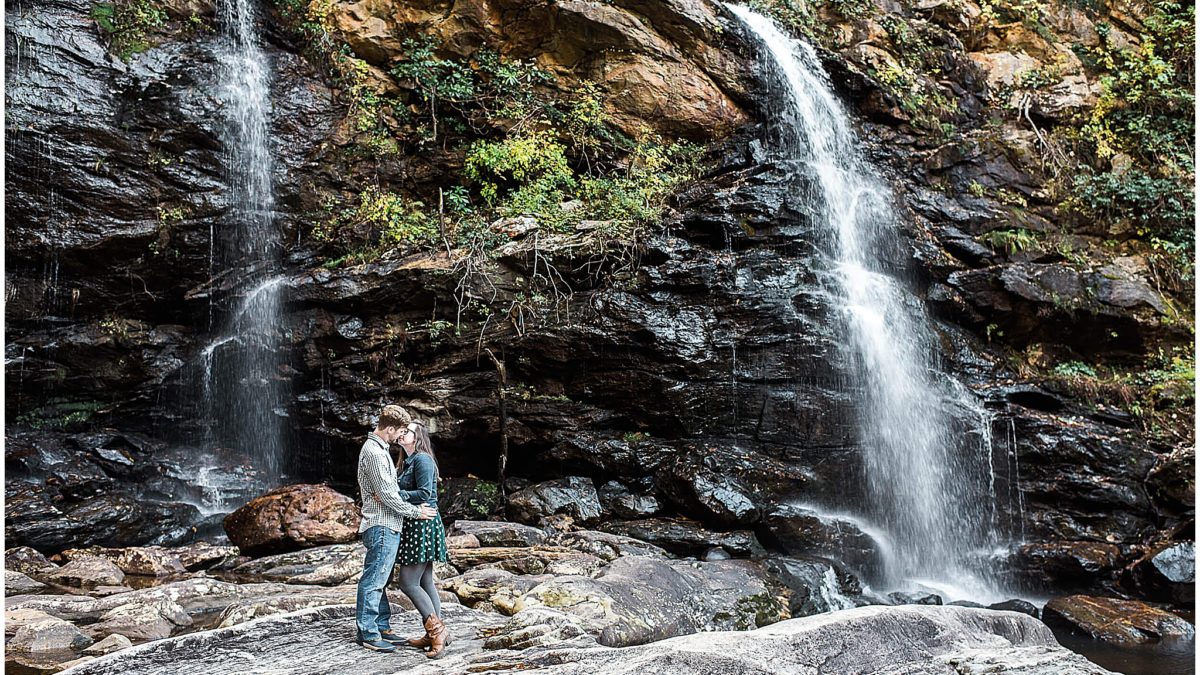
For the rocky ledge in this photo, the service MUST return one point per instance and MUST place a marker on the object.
(909, 639)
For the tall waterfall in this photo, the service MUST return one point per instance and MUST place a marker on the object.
(925, 486)
(244, 389)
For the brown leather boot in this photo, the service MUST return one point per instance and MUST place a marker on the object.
(438, 634)
(421, 642)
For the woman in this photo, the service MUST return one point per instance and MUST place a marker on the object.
(422, 542)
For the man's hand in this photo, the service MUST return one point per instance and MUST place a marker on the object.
(427, 512)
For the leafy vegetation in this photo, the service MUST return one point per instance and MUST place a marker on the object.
(1142, 128)
(128, 24)
(1010, 240)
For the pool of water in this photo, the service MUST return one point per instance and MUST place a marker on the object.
(1174, 657)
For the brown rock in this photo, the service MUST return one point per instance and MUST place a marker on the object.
(468, 558)
(28, 561)
(292, 518)
(147, 561)
(1112, 620)
(87, 571)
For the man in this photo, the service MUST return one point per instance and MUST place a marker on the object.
(383, 514)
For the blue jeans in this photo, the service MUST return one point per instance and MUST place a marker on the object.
(372, 611)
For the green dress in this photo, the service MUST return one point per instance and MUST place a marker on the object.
(421, 541)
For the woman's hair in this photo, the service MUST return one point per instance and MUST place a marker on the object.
(422, 445)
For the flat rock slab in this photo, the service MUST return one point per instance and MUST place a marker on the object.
(1114, 620)
(910, 640)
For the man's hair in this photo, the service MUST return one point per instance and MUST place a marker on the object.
(393, 416)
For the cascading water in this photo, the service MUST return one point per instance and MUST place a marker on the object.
(244, 389)
(925, 489)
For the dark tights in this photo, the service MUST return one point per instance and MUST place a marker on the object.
(418, 584)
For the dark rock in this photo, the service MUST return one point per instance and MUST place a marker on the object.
(618, 499)
(574, 497)
(1117, 621)
(716, 497)
(489, 533)
(967, 603)
(26, 560)
(469, 498)
(816, 585)
(906, 598)
(685, 537)
(291, 518)
(1017, 605)
(1167, 573)
(1078, 565)
(803, 531)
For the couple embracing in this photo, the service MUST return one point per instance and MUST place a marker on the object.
(401, 528)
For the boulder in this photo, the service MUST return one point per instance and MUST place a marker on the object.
(499, 588)
(639, 599)
(816, 585)
(202, 555)
(469, 498)
(146, 561)
(490, 533)
(1070, 565)
(1017, 605)
(110, 644)
(292, 518)
(142, 621)
(28, 561)
(687, 537)
(539, 627)
(618, 499)
(573, 496)
(1167, 573)
(917, 598)
(322, 566)
(604, 545)
(805, 531)
(31, 630)
(707, 492)
(16, 583)
(87, 571)
(1113, 620)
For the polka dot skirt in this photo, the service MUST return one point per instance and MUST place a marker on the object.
(422, 541)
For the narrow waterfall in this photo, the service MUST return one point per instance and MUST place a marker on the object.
(925, 486)
(243, 387)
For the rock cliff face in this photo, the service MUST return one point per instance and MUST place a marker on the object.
(694, 368)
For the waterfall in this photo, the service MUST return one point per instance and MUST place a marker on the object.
(244, 389)
(924, 486)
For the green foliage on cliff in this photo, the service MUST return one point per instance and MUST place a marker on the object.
(127, 24)
(1142, 132)
(379, 216)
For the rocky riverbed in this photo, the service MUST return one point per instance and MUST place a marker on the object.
(519, 596)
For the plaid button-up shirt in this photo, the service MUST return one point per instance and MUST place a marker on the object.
(377, 478)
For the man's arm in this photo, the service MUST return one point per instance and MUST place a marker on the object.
(382, 478)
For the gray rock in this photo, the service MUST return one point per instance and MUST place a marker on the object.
(640, 599)
(539, 627)
(87, 571)
(893, 640)
(573, 496)
(605, 545)
(30, 630)
(687, 537)
(914, 598)
(110, 644)
(324, 565)
(16, 583)
(242, 611)
(490, 533)
(201, 555)
(142, 621)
